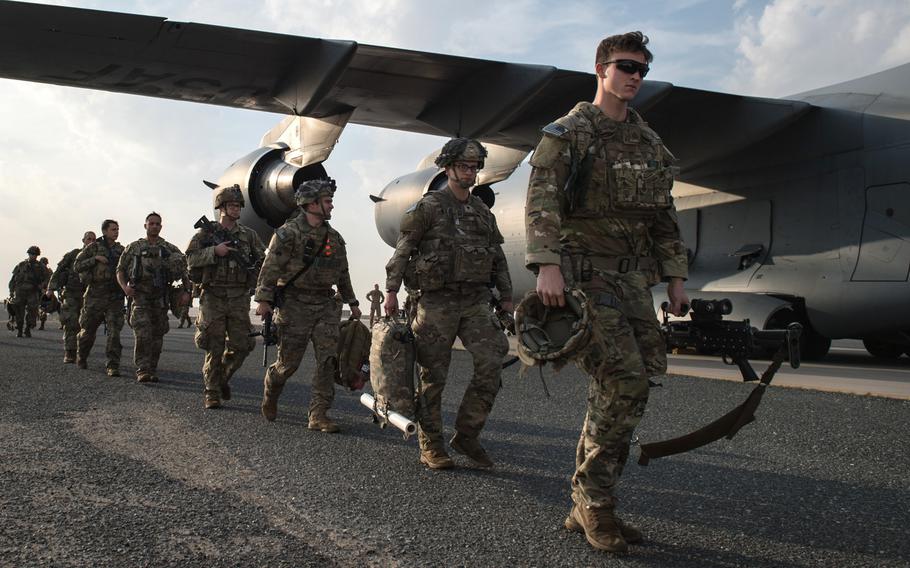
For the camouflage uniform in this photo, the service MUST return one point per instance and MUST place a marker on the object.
(615, 235)
(376, 298)
(310, 311)
(102, 301)
(455, 248)
(70, 286)
(42, 303)
(223, 321)
(150, 269)
(28, 282)
(183, 315)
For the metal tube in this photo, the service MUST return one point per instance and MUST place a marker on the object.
(399, 421)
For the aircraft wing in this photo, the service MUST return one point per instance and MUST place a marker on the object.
(501, 103)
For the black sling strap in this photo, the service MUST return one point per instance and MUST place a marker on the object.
(725, 426)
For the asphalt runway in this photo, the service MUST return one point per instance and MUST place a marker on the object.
(107, 472)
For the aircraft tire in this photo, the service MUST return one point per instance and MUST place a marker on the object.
(883, 349)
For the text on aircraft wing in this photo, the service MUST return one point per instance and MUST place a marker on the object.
(502, 103)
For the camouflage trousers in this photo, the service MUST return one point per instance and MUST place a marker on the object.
(149, 321)
(223, 330)
(442, 316)
(107, 308)
(375, 313)
(183, 316)
(301, 320)
(626, 349)
(26, 303)
(69, 317)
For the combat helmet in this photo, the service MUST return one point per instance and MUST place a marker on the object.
(552, 334)
(33, 250)
(311, 190)
(461, 149)
(229, 194)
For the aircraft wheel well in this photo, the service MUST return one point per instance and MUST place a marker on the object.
(883, 349)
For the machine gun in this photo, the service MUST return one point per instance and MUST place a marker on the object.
(269, 333)
(215, 234)
(735, 342)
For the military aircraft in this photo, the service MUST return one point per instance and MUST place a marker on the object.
(797, 209)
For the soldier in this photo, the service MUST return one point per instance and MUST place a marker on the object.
(183, 313)
(224, 259)
(103, 298)
(145, 272)
(455, 245)
(376, 298)
(28, 282)
(309, 257)
(613, 232)
(67, 283)
(43, 305)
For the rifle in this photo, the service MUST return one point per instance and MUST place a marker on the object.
(269, 330)
(132, 281)
(735, 342)
(215, 234)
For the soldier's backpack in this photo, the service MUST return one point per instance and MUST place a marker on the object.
(353, 355)
(392, 367)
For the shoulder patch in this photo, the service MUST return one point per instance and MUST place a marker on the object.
(555, 129)
(282, 233)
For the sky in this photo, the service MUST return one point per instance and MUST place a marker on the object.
(70, 158)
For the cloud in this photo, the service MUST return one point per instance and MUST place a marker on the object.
(798, 45)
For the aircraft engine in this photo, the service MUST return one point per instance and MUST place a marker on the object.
(268, 182)
(399, 195)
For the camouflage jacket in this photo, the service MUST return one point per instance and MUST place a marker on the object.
(150, 269)
(446, 242)
(291, 244)
(65, 277)
(375, 297)
(100, 278)
(619, 205)
(234, 273)
(28, 276)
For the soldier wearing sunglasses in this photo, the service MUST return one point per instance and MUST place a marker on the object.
(600, 217)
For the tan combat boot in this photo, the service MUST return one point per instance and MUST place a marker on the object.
(601, 528)
(270, 402)
(436, 458)
(143, 378)
(69, 356)
(470, 447)
(211, 400)
(320, 421)
(111, 372)
(630, 533)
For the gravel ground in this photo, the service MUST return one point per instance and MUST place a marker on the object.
(107, 472)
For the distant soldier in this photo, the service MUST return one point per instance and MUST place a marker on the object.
(310, 257)
(183, 313)
(28, 282)
(145, 272)
(43, 305)
(103, 298)
(66, 282)
(376, 298)
(452, 239)
(224, 259)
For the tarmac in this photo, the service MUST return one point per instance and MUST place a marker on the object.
(97, 471)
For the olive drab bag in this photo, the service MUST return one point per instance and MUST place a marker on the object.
(392, 367)
(353, 355)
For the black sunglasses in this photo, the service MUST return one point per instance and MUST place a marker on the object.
(630, 66)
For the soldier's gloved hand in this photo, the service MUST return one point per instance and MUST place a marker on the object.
(391, 303)
(263, 309)
(223, 249)
(355, 312)
(551, 285)
(129, 291)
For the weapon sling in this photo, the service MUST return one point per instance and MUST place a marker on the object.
(725, 426)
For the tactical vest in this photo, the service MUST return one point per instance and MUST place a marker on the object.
(102, 274)
(228, 272)
(328, 252)
(458, 248)
(623, 170)
(30, 275)
(154, 270)
(65, 277)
